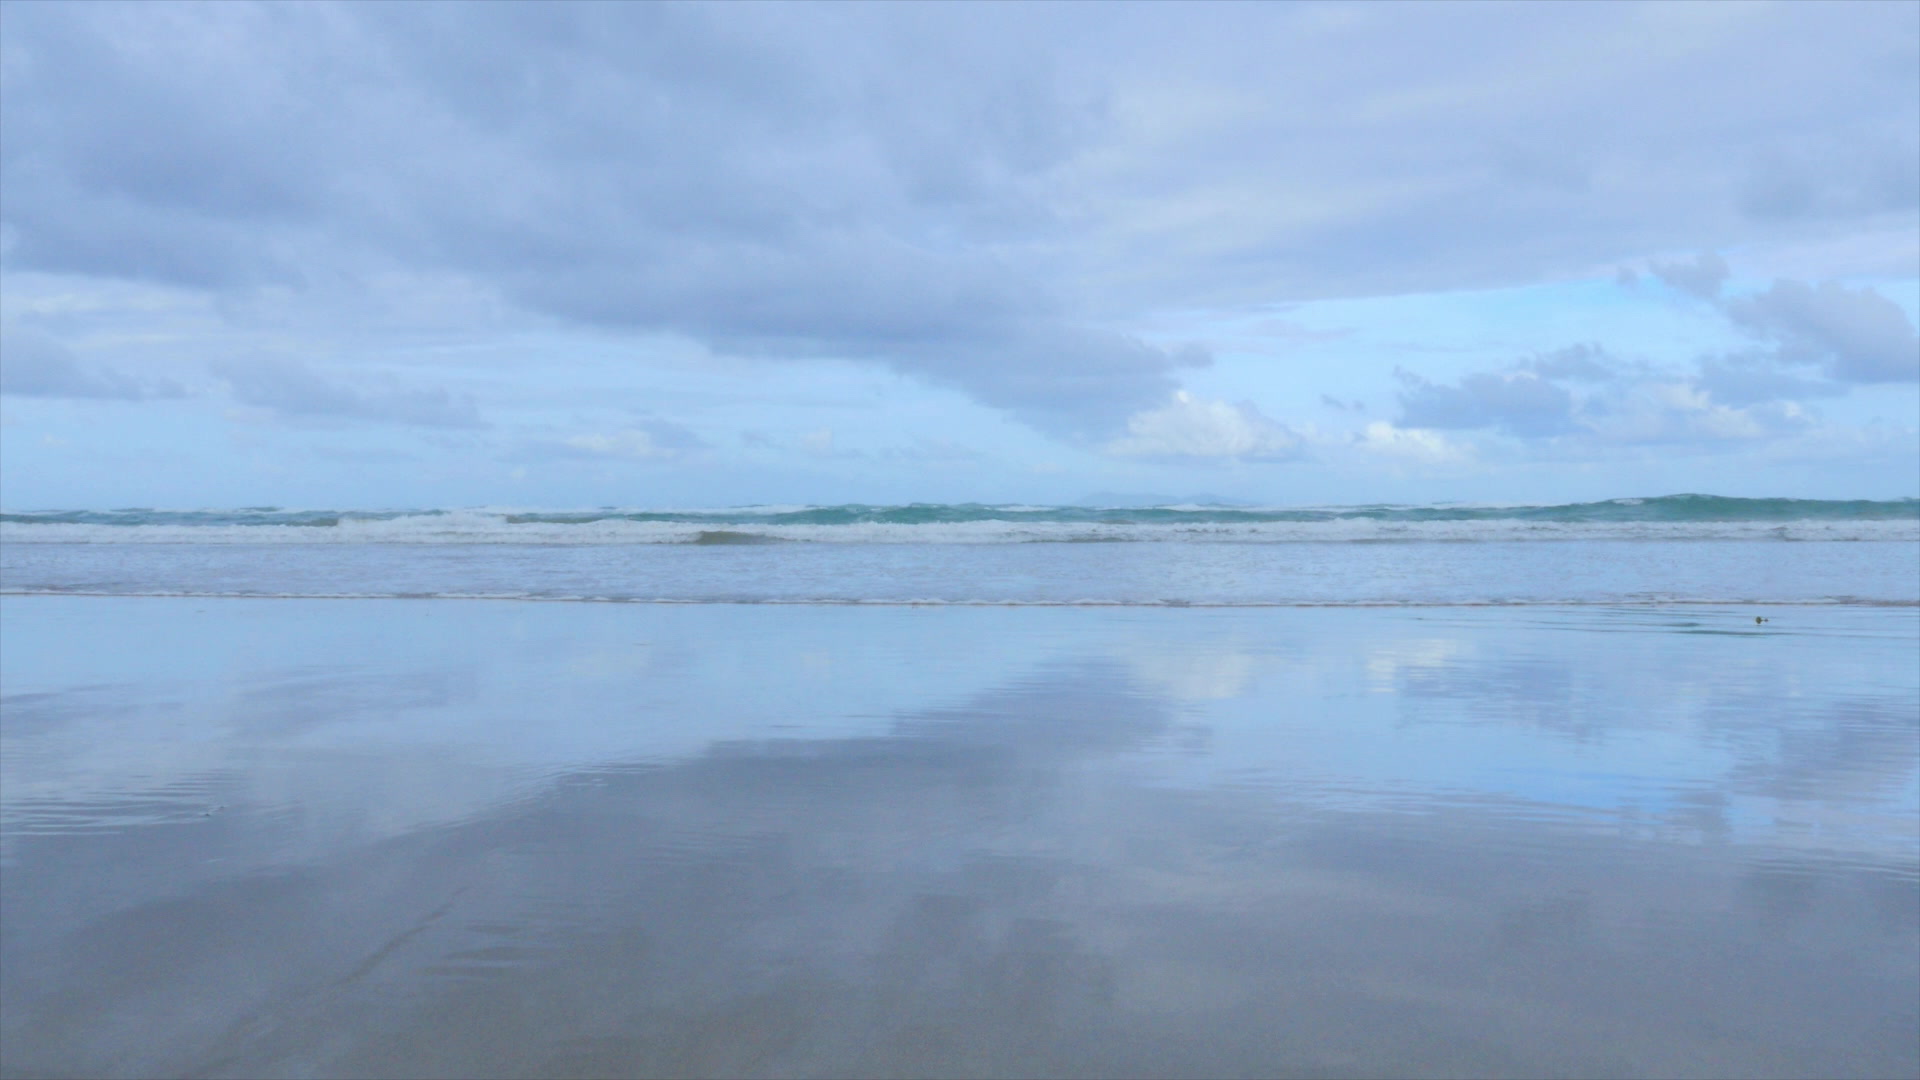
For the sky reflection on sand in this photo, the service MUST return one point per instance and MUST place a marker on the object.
(278, 838)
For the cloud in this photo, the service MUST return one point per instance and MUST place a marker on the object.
(1749, 378)
(818, 442)
(628, 443)
(1815, 341)
(294, 390)
(984, 197)
(1584, 396)
(1576, 363)
(1669, 412)
(1412, 444)
(1192, 427)
(1701, 276)
(34, 365)
(746, 179)
(1854, 335)
(649, 439)
(1516, 402)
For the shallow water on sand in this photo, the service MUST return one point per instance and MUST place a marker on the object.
(1589, 571)
(453, 838)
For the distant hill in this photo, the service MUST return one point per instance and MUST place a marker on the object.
(1140, 498)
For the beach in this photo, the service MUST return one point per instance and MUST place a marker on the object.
(804, 540)
(459, 837)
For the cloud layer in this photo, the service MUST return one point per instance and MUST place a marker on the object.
(293, 390)
(979, 196)
(34, 365)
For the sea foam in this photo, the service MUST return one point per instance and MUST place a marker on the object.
(1674, 517)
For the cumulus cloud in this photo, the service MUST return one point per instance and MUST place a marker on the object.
(1516, 402)
(1751, 378)
(1683, 412)
(1408, 444)
(980, 196)
(294, 390)
(1194, 427)
(34, 365)
(1853, 335)
(1576, 363)
(1700, 276)
(1584, 396)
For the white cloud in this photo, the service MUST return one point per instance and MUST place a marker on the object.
(1192, 427)
(1409, 444)
(659, 441)
(650, 439)
(1683, 412)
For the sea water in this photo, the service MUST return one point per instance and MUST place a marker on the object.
(1625, 789)
(1673, 549)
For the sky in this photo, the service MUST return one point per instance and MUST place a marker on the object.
(552, 255)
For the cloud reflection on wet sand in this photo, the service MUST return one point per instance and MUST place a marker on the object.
(1273, 843)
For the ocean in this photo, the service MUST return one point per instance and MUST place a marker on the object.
(1672, 549)
(1628, 788)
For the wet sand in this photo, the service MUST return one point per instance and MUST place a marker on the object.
(463, 838)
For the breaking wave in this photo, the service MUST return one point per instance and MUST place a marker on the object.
(1671, 517)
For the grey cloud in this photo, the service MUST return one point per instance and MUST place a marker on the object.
(1831, 176)
(1750, 379)
(294, 390)
(1855, 335)
(34, 365)
(1852, 335)
(1578, 363)
(1701, 276)
(668, 434)
(1519, 403)
(729, 176)
(1680, 414)
(1731, 399)
(972, 194)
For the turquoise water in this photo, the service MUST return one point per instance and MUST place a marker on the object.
(1674, 549)
(1667, 508)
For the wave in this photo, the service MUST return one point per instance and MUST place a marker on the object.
(1664, 517)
